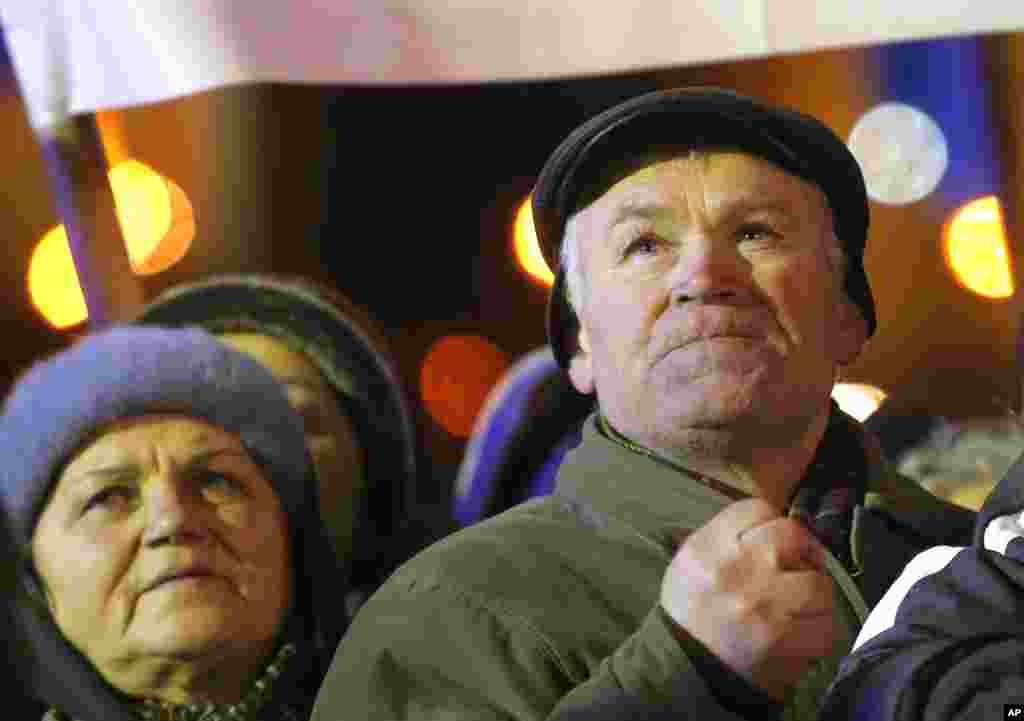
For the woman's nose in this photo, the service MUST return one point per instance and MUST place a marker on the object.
(173, 513)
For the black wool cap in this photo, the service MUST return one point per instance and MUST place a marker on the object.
(607, 147)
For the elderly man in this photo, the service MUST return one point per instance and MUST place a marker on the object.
(718, 537)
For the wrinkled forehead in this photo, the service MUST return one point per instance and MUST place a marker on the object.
(129, 436)
(725, 177)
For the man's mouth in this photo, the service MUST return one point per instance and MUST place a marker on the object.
(725, 337)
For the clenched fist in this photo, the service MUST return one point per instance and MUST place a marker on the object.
(750, 585)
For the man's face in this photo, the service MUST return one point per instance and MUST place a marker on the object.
(710, 303)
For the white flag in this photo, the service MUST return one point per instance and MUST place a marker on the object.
(75, 56)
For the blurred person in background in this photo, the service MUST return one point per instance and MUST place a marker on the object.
(898, 430)
(963, 460)
(164, 507)
(339, 374)
(529, 421)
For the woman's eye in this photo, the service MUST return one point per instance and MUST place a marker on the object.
(110, 498)
(219, 484)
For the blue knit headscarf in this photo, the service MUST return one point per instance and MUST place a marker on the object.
(61, 402)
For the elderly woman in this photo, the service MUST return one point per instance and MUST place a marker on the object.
(340, 375)
(158, 484)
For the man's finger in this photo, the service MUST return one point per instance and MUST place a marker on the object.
(786, 544)
(738, 517)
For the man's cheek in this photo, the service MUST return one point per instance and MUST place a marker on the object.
(790, 306)
(796, 287)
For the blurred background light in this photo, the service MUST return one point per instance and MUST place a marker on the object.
(158, 226)
(976, 250)
(527, 247)
(972, 495)
(902, 152)
(174, 244)
(456, 375)
(945, 83)
(143, 208)
(53, 283)
(859, 400)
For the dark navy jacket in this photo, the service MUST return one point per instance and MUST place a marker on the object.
(946, 642)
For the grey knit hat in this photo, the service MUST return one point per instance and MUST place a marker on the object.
(59, 403)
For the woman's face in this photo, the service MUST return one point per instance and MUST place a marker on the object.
(164, 544)
(330, 436)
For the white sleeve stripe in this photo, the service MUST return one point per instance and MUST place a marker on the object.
(999, 532)
(883, 616)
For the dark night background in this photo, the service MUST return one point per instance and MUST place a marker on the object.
(404, 198)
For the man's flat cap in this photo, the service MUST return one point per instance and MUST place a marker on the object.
(601, 151)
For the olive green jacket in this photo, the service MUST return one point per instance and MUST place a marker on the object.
(551, 608)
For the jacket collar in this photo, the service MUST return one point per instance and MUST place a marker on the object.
(649, 493)
(656, 498)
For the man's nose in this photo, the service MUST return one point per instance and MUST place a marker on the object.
(711, 270)
(174, 513)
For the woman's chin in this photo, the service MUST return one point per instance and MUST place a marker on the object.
(192, 638)
(191, 631)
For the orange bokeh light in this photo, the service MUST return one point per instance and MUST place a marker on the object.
(175, 242)
(158, 226)
(53, 283)
(143, 208)
(527, 248)
(976, 250)
(456, 375)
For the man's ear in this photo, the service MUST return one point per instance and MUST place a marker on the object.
(853, 331)
(581, 371)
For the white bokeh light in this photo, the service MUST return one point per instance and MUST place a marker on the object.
(859, 400)
(902, 152)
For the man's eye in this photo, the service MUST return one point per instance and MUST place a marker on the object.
(754, 232)
(111, 498)
(644, 245)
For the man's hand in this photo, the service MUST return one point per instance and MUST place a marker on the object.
(750, 585)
